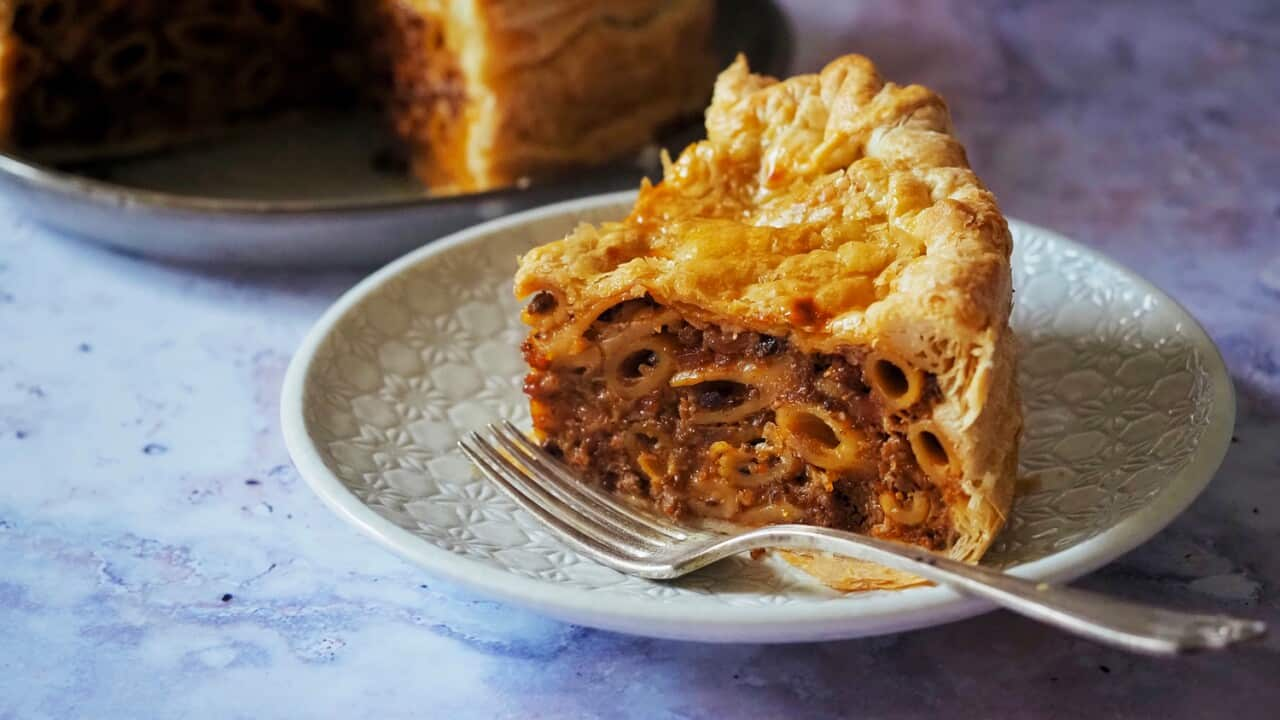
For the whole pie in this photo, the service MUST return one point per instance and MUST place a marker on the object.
(483, 92)
(805, 321)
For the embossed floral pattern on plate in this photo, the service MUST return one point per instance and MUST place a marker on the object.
(1127, 406)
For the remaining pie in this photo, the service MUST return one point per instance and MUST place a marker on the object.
(805, 321)
(489, 91)
(483, 92)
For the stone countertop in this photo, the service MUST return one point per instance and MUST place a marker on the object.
(159, 556)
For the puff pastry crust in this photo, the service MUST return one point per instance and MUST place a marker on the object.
(838, 212)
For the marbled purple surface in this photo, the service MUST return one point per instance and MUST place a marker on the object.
(159, 556)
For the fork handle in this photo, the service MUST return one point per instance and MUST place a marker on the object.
(1120, 623)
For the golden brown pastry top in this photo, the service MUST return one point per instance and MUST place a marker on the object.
(817, 207)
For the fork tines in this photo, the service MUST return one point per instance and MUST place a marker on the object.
(593, 522)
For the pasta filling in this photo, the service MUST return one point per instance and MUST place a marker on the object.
(91, 72)
(704, 421)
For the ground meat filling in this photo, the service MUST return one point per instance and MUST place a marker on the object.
(90, 72)
(650, 447)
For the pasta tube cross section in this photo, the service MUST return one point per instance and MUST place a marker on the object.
(805, 321)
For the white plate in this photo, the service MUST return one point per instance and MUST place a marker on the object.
(1128, 405)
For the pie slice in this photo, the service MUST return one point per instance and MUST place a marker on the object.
(805, 321)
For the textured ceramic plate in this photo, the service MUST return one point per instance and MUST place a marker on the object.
(314, 193)
(1129, 411)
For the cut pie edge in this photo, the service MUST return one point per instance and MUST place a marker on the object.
(978, 527)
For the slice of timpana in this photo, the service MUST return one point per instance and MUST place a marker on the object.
(805, 321)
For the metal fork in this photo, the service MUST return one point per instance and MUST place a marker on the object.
(637, 543)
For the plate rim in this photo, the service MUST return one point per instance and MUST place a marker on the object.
(889, 612)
